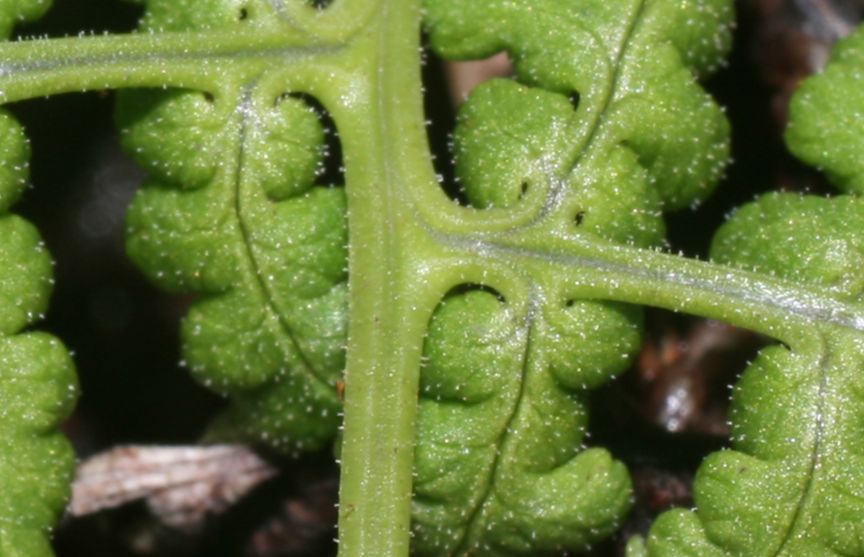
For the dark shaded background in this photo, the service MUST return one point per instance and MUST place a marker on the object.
(123, 332)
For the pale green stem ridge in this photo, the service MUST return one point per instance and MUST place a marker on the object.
(592, 269)
(388, 320)
(195, 60)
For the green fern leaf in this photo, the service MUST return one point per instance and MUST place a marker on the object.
(501, 466)
(231, 212)
(38, 387)
(792, 484)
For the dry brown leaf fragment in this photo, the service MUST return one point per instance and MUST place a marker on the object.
(181, 485)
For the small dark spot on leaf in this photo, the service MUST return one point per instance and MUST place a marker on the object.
(319, 4)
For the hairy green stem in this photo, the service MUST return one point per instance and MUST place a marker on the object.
(582, 268)
(193, 60)
(388, 321)
(773, 306)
